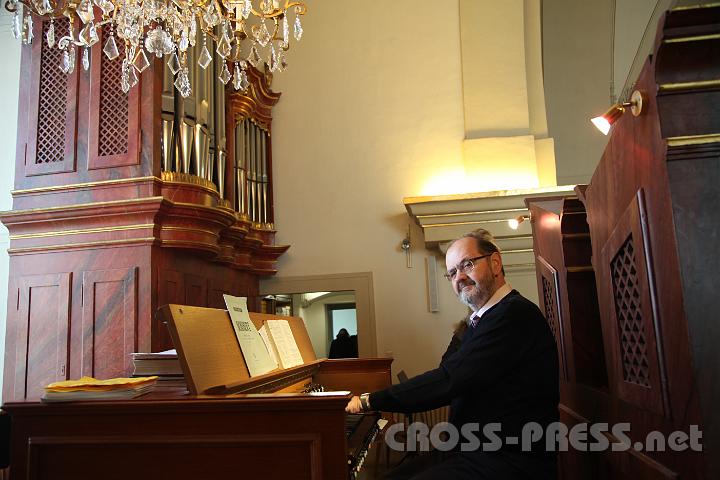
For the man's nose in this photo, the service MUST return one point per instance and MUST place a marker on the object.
(460, 275)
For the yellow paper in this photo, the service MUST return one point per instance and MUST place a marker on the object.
(89, 383)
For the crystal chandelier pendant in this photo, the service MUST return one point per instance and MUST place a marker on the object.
(110, 49)
(50, 35)
(132, 76)
(285, 30)
(125, 77)
(45, 7)
(225, 74)
(272, 59)
(246, 9)
(106, 6)
(297, 26)
(184, 41)
(244, 83)
(141, 61)
(254, 56)
(223, 49)
(236, 77)
(85, 11)
(28, 30)
(159, 42)
(86, 59)
(174, 64)
(67, 62)
(204, 59)
(17, 24)
(263, 36)
(211, 17)
(89, 35)
(182, 83)
(193, 31)
(71, 58)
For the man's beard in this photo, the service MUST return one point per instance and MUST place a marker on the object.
(479, 294)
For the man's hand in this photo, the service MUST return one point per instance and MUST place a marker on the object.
(354, 405)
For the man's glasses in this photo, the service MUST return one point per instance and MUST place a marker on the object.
(465, 266)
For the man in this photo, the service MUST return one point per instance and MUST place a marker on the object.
(504, 373)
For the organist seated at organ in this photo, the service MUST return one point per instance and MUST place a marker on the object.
(505, 372)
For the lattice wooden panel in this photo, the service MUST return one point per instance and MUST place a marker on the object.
(113, 119)
(628, 311)
(52, 110)
(551, 309)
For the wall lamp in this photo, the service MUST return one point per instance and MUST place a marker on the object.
(606, 120)
(514, 223)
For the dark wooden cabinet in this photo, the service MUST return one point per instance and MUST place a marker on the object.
(634, 259)
(104, 227)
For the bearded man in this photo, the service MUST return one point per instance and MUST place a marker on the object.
(501, 384)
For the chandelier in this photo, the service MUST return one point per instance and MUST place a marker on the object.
(243, 34)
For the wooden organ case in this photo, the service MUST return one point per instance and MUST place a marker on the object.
(229, 426)
(627, 269)
(126, 202)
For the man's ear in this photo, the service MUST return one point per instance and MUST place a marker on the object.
(496, 262)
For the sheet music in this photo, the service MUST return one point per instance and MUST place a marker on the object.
(281, 334)
(268, 344)
(256, 355)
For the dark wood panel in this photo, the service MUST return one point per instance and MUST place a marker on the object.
(633, 345)
(134, 456)
(109, 322)
(195, 290)
(41, 333)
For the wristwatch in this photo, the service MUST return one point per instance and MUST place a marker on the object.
(365, 402)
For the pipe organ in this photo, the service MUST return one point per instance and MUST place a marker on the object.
(125, 202)
(251, 170)
(193, 128)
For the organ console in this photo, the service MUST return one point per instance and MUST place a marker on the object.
(289, 423)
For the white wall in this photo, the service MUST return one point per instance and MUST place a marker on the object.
(9, 82)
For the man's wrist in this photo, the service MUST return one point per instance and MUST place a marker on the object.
(365, 402)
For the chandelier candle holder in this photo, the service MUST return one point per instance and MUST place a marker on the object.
(245, 32)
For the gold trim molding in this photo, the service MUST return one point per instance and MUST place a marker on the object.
(105, 243)
(179, 177)
(75, 186)
(81, 206)
(696, 38)
(693, 140)
(81, 231)
(665, 87)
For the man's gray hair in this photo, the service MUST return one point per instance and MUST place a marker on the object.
(485, 240)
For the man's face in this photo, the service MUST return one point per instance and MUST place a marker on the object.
(475, 287)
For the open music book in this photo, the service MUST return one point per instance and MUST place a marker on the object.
(280, 342)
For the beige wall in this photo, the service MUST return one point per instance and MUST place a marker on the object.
(577, 45)
(371, 108)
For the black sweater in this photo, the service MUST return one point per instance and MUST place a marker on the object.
(505, 371)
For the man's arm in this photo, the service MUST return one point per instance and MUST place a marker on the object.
(500, 343)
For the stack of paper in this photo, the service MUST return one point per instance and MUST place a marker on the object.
(165, 365)
(88, 388)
